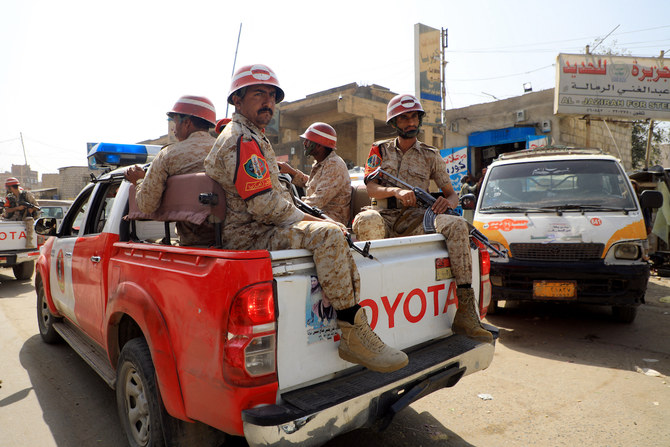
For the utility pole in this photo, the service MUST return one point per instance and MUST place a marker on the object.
(650, 134)
(25, 159)
(444, 44)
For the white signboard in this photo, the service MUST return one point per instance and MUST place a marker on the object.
(612, 86)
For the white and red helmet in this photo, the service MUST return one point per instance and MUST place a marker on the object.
(403, 103)
(221, 124)
(253, 75)
(12, 181)
(321, 133)
(198, 106)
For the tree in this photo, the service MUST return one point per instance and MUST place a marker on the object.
(639, 143)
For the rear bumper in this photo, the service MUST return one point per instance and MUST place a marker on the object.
(312, 416)
(12, 258)
(597, 283)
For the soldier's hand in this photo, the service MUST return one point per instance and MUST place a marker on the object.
(285, 168)
(406, 197)
(441, 205)
(134, 173)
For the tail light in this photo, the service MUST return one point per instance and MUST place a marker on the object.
(485, 284)
(250, 354)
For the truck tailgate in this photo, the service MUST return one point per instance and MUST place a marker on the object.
(407, 291)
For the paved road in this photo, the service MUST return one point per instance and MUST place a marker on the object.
(561, 376)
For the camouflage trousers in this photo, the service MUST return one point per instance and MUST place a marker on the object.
(372, 224)
(335, 267)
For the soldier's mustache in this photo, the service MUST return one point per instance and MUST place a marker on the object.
(266, 109)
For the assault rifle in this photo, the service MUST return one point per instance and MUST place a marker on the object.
(316, 212)
(29, 205)
(425, 199)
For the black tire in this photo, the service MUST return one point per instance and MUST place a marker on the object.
(624, 314)
(45, 319)
(141, 410)
(137, 400)
(494, 308)
(24, 270)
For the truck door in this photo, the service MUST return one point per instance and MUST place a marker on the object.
(83, 259)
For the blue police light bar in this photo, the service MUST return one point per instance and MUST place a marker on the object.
(113, 155)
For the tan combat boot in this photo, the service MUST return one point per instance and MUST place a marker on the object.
(359, 344)
(466, 321)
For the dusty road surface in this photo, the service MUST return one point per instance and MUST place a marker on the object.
(561, 376)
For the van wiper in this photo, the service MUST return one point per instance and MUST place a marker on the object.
(514, 209)
(568, 207)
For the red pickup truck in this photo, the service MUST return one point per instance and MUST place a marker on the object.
(200, 342)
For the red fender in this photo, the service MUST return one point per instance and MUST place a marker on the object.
(132, 300)
(42, 265)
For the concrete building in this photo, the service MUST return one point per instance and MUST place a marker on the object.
(358, 114)
(489, 129)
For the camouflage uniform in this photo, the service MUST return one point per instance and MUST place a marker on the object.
(12, 202)
(417, 166)
(260, 214)
(328, 187)
(183, 157)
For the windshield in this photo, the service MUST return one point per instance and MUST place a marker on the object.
(557, 184)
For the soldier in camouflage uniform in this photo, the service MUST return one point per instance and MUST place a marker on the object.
(192, 116)
(260, 214)
(328, 184)
(14, 210)
(394, 212)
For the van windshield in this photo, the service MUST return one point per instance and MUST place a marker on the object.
(566, 184)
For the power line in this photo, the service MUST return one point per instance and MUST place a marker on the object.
(503, 76)
(525, 45)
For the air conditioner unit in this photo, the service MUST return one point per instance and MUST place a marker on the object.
(453, 126)
(546, 126)
(520, 115)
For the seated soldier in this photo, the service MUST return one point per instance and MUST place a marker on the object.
(193, 116)
(328, 184)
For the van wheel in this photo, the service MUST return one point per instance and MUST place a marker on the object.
(137, 400)
(24, 270)
(624, 314)
(45, 319)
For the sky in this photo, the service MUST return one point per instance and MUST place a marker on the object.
(78, 71)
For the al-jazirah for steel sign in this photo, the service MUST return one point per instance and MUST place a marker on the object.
(612, 86)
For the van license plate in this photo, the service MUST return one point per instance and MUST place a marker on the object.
(554, 289)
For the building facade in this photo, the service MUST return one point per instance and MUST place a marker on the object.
(490, 129)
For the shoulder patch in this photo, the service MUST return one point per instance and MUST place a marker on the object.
(374, 160)
(252, 176)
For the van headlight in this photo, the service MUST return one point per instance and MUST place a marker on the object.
(627, 251)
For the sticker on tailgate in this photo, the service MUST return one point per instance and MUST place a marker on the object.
(320, 315)
(443, 269)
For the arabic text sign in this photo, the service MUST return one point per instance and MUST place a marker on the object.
(456, 159)
(614, 86)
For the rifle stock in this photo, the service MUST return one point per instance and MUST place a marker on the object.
(316, 212)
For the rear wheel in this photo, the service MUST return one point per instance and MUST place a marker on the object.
(137, 398)
(45, 319)
(624, 314)
(24, 270)
(141, 410)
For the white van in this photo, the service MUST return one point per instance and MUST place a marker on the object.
(573, 228)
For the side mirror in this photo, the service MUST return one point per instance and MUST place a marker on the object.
(46, 226)
(468, 201)
(651, 199)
